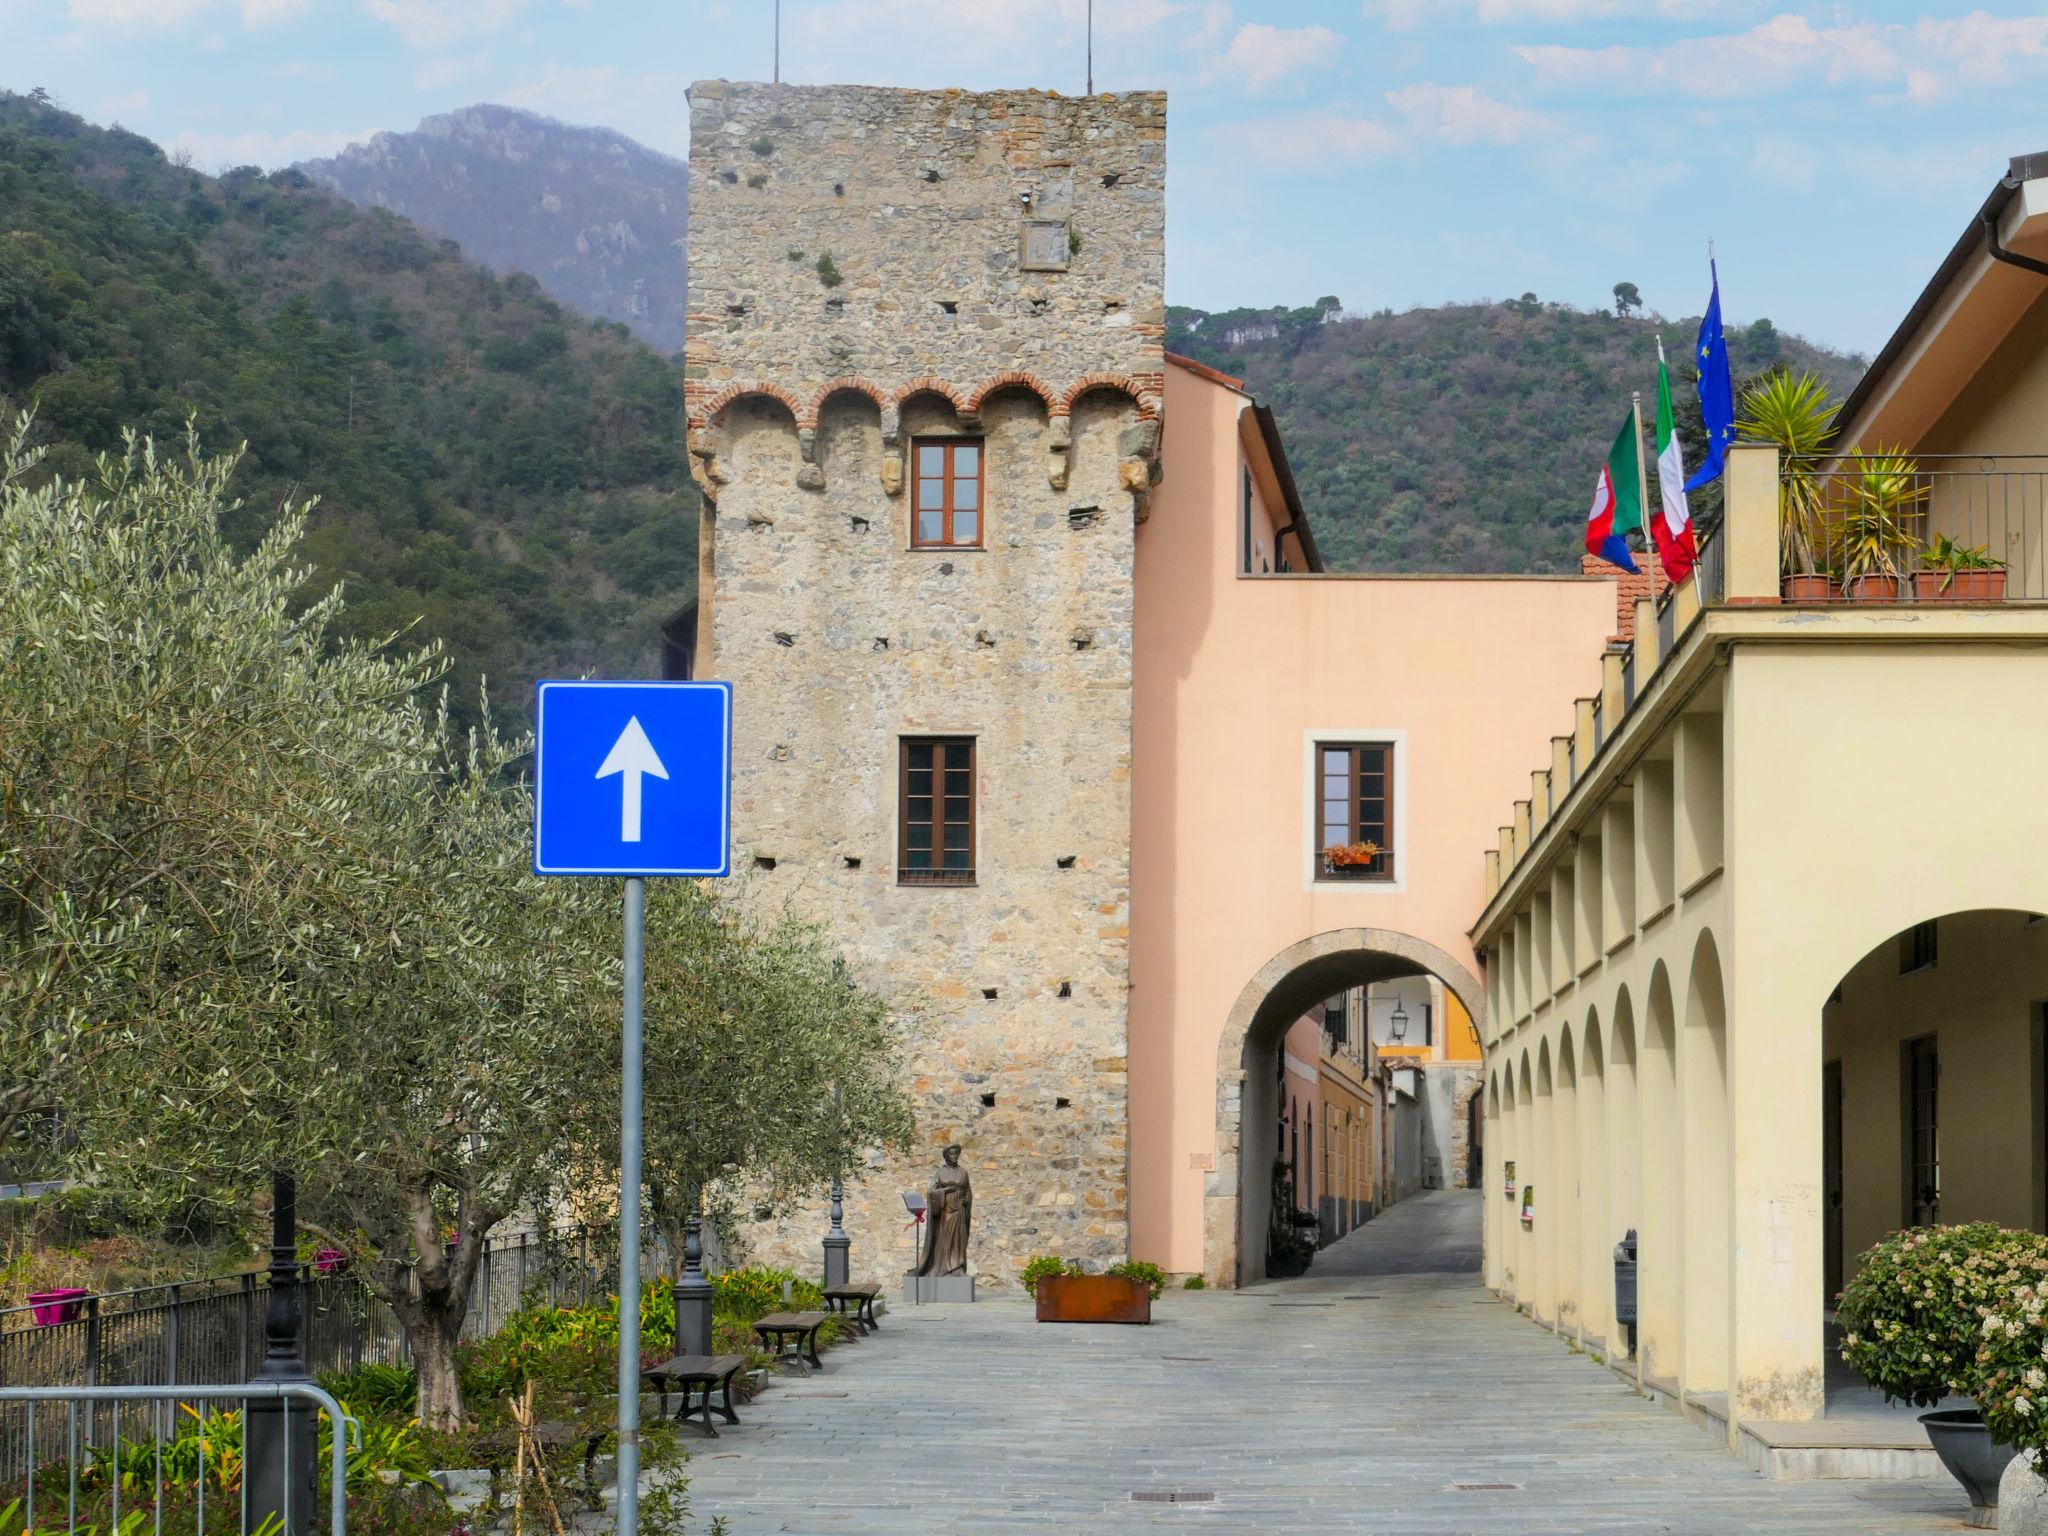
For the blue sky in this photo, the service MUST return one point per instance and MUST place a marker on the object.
(1392, 152)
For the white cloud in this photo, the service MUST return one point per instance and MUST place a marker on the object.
(438, 74)
(1260, 56)
(1408, 15)
(1308, 141)
(432, 25)
(221, 151)
(1921, 60)
(1463, 114)
(134, 15)
(1784, 162)
(261, 13)
(114, 107)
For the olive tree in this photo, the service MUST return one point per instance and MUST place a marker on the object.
(264, 911)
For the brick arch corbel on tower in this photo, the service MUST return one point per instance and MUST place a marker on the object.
(702, 410)
(1145, 391)
(1017, 379)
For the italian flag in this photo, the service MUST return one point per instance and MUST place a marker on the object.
(1618, 498)
(1677, 550)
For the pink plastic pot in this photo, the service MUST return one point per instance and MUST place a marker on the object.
(61, 1305)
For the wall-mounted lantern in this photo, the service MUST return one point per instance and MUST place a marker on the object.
(1397, 1023)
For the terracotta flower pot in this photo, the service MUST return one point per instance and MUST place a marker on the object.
(1986, 586)
(1808, 589)
(1877, 588)
(1093, 1299)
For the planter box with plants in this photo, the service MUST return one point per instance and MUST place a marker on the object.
(1943, 1312)
(1065, 1293)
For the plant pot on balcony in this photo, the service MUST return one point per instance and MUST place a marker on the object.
(1876, 588)
(61, 1304)
(1973, 1458)
(1808, 589)
(1986, 586)
(1092, 1299)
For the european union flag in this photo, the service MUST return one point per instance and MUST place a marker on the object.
(1716, 389)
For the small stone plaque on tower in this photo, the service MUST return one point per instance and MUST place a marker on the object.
(1045, 247)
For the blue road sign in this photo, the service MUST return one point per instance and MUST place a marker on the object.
(632, 778)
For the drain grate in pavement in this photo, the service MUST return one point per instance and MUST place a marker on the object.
(1304, 1303)
(1170, 1496)
(1482, 1488)
(1364, 1296)
(1188, 1359)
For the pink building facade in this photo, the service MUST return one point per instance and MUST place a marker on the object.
(1243, 672)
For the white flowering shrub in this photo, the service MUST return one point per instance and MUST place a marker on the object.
(1915, 1318)
(2012, 1357)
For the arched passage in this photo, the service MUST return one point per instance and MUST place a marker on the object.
(1624, 1136)
(1562, 1217)
(1709, 1169)
(1526, 1162)
(1239, 1205)
(1541, 1181)
(1661, 1244)
(1490, 1179)
(1596, 1289)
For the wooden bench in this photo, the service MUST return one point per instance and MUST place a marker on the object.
(691, 1373)
(857, 1302)
(793, 1336)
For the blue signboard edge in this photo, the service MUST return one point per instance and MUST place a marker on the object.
(724, 869)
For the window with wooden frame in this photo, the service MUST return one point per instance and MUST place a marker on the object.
(946, 505)
(1354, 810)
(935, 834)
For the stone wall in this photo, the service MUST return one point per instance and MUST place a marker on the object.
(804, 395)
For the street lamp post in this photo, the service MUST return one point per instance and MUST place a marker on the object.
(278, 1461)
(837, 1243)
(693, 1294)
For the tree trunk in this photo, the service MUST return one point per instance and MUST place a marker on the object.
(440, 1386)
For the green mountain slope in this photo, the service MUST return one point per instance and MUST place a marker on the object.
(1465, 438)
(506, 473)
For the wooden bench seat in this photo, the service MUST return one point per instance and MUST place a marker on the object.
(857, 1302)
(793, 1336)
(691, 1373)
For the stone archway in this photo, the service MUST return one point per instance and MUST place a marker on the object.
(1237, 1202)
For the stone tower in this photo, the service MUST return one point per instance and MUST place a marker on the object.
(924, 375)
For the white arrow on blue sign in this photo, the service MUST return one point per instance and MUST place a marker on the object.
(632, 778)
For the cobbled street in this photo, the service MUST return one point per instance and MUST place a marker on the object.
(1357, 1399)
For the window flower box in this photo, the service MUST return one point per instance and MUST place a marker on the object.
(1350, 855)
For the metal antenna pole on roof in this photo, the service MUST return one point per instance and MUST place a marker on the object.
(1091, 47)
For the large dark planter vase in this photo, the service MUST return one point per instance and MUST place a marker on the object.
(1972, 1457)
(1284, 1266)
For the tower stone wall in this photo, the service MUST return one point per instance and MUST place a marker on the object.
(868, 267)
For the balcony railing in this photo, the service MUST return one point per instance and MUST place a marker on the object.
(1895, 507)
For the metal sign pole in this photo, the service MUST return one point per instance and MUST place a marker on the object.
(629, 1219)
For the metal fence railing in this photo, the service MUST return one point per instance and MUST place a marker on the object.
(1897, 506)
(137, 1461)
(211, 1331)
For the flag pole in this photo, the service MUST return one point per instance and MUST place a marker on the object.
(1642, 475)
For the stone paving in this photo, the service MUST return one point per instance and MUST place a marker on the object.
(1358, 1399)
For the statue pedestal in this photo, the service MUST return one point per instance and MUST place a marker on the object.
(918, 1289)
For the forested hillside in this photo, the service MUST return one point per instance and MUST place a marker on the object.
(597, 217)
(1464, 438)
(503, 472)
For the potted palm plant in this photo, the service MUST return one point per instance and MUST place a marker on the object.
(1794, 414)
(1870, 524)
(1958, 573)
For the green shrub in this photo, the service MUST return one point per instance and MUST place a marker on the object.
(828, 271)
(1139, 1269)
(750, 1292)
(1045, 1264)
(1194, 1283)
(1916, 1315)
(383, 1390)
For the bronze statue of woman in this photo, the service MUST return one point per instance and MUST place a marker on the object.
(949, 1206)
